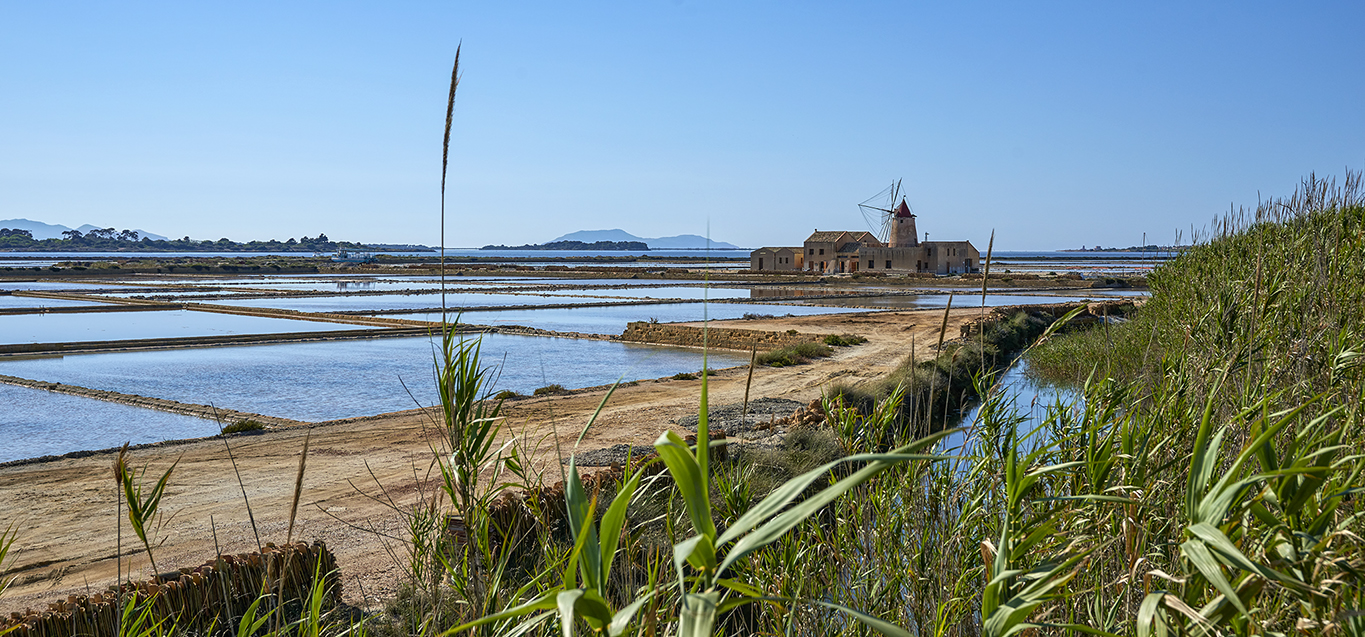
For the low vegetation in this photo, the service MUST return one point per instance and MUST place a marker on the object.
(794, 354)
(550, 390)
(242, 426)
(844, 340)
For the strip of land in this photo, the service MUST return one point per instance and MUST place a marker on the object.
(356, 467)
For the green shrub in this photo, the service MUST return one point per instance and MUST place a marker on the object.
(506, 394)
(684, 376)
(844, 340)
(550, 390)
(794, 354)
(243, 426)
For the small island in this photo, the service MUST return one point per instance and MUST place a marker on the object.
(576, 245)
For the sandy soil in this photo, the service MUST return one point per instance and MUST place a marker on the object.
(359, 471)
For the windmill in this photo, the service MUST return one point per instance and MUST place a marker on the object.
(883, 214)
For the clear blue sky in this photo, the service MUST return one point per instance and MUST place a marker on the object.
(1055, 123)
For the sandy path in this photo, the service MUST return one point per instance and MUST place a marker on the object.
(65, 508)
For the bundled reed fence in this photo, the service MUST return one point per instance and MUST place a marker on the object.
(207, 599)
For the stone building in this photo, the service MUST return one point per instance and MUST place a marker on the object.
(777, 259)
(845, 251)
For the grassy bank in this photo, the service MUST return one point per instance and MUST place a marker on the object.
(933, 392)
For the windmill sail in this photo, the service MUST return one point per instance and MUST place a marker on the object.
(880, 210)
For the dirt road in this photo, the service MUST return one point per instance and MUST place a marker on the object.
(358, 469)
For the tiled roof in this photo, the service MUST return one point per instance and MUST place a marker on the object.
(828, 236)
(844, 236)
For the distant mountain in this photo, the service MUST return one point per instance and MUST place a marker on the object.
(39, 229)
(577, 245)
(42, 230)
(678, 242)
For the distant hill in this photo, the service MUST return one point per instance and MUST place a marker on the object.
(42, 230)
(576, 245)
(678, 242)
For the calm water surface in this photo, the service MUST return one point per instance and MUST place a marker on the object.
(342, 379)
(612, 320)
(930, 301)
(401, 301)
(52, 286)
(39, 423)
(7, 300)
(1028, 398)
(675, 292)
(70, 328)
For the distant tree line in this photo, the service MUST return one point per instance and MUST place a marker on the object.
(111, 240)
(576, 245)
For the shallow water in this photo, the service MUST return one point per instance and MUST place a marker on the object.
(930, 301)
(7, 300)
(400, 301)
(1030, 400)
(341, 379)
(52, 286)
(69, 328)
(613, 320)
(38, 423)
(674, 292)
(1128, 293)
(641, 282)
(155, 294)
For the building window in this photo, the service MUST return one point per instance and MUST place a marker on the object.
(822, 251)
(812, 250)
(888, 264)
(869, 264)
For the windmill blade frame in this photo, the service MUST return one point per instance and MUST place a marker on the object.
(879, 210)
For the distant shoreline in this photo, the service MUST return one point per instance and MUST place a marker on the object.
(624, 246)
(1138, 249)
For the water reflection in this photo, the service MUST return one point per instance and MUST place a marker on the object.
(1025, 397)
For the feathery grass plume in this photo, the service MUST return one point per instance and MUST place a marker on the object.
(748, 382)
(943, 329)
(986, 271)
(445, 161)
(298, 487)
